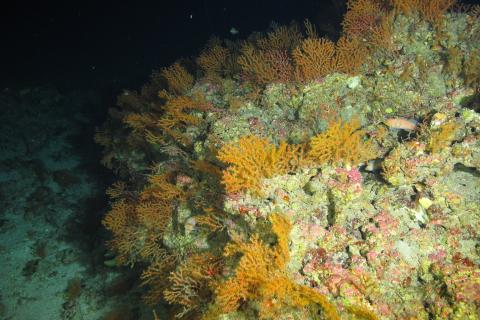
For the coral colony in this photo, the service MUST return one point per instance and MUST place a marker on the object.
(288, 176)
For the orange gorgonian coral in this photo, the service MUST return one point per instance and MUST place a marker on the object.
(178, 114)
(138, 121)
(442, 137)
(350, 55)
(341, 142)
(213, 61)
(314, 58)
(188, 284)
(369, 22)
(261, 276)
(318, 57)
(431, 10)
(137, 223)
(252, 159)
(283, 38)
(179, 80)
(262, 66)
(361, 17)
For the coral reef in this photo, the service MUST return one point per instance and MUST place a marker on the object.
(253, 159)
(300, 178)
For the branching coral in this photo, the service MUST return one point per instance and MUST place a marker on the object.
(361, 17)
(160, 188)
(139, 121)
(105, 139)
(178, 116)
(350, 55)
(472, 70)
(431, 10)
(314, 58)
(442, 137)
(137, 224)
(268, 59)
(179, 80)
(213, 61)
(265, 66)
(253, 159)
(127, 127)
(188, 286)
(341, 142)
(120, 222)
(283, 38)
(211, 219)
(261, 275)
(369, 23)
(155, 276)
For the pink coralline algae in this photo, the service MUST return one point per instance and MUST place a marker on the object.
(438, 256)
(462, 281)
(347, 180)
(312, 231)
(344, 282)
(384, 223)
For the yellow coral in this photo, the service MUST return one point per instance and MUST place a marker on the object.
(281, 226)
(154, 214)
(138, 121)
(310, 29)
(155, 209)
(362, 312)
(118, 218)
(257, 65)
(441, 137)
(178, 78)
(350, 54)
(177, 116)
(121, 222)
(211, 219)
(261, 275)
(102, 138)
(161, 189)
(155, 276)
(314, 58)
(206, 167)
(341, 142)
(138, 226)
(367, 21)
(177, 107)
(253, 159)
(190, 280)
(472, 69)
(117, 190)
(283, 38)
(431, 10)
(213, 61)
(361, 17)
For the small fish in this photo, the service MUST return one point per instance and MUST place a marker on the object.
(373, 165)
(234, 31)
(402, 123)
